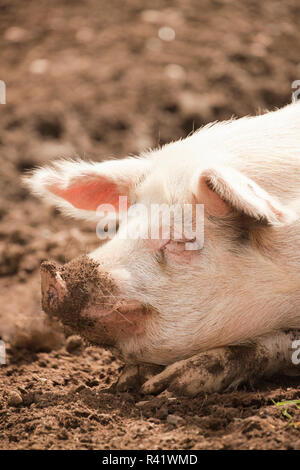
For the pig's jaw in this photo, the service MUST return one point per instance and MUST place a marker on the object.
(110, 327)
(89, 303)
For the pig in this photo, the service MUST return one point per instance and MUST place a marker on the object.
(189, 320)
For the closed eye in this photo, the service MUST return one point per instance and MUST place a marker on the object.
(171, 247)
(160, 256)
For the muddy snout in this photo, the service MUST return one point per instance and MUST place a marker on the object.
(72, 290)
(85, 298)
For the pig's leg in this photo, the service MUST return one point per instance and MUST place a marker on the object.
(133, 376)
(225, 368)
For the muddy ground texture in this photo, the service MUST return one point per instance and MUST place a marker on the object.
(100, 79)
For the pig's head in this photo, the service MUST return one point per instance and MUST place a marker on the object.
(158, 300)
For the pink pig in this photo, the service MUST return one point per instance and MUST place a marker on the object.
(206, 319)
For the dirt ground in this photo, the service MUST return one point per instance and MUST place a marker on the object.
(100, 79)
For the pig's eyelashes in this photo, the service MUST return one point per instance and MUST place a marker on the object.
(160, 256)
(171, 247)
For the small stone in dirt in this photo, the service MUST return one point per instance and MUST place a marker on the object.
(175, 420)
(167, 394)
(14, 398)
(73, 343)
(140, 404)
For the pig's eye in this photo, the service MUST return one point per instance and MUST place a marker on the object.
(172, 246)
(160, 256)
(176, 246)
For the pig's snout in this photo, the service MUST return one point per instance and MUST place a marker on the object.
(54, 288)
(68, 289)
(78, 293)
(86, 299)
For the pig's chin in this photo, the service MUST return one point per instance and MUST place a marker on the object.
(109, 327)
(89, 304)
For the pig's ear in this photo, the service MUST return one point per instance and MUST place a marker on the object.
(224, 189)
(78, 188)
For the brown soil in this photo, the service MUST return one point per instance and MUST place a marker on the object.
(94, 79)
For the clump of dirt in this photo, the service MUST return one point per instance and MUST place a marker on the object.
(100, 79)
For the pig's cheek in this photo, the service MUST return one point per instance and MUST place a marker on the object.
(123, 280)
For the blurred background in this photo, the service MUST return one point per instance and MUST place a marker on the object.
(98, 79)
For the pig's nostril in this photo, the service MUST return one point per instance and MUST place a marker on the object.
(52, 295)
(54, 289)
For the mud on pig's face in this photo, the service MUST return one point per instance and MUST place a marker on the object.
(87, 300)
